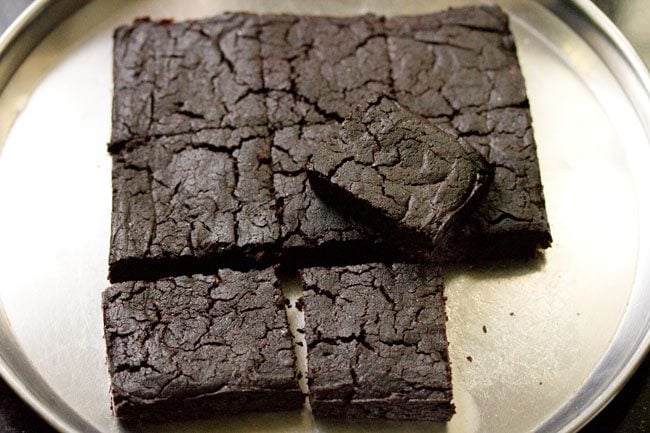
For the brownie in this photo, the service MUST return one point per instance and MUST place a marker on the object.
(459, 69)
(316, 69)
(294, 79)
(376, 342)
(172, 78)
(190, 203)
(201, 345)
(400, 173)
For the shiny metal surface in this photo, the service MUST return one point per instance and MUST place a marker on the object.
(563, 332)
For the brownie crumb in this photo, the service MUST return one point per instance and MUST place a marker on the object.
(484, 329)
(470, 359)
(300, 303)
(512, 314)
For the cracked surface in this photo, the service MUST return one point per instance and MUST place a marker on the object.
(297, 78)
(376, 342)
(459, 68)
(173, 78)
(202, 199)
(201, 345)
(316, 69)
(400, 172)
(306, 221)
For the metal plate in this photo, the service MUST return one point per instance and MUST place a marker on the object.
(564, 331)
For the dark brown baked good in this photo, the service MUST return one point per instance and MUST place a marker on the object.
(172, 78)
(199, 346)
(192, 203)
(316, 69)
(297, 78)
(459, 68)
(376, 342)
(398, 172)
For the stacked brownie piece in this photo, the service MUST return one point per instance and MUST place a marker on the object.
(343, 147)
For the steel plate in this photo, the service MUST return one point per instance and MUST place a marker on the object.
(564, 331)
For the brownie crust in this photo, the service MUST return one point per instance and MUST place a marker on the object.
(198, 346)
(460, 69)
(296, 78)
(376, 342)
(178, 78)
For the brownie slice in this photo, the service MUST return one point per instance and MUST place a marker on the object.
(201, 345)
(172, 78)
(400, 173)
(376, 342)
(459, 68)
(191, 203)
(316, 69)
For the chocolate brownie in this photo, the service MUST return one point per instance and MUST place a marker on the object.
(312, 231)
(172, 78)
(297, 78)
(200, 345)
(316, 69)
(376, 342)
(400, 173)
(189, 203)
(459, 68)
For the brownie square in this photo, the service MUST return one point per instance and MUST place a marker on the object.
(376, 342)
(172, 78)
(459, 68)
(315, 70)
(191, 203)
(318, 68)
(201, 345)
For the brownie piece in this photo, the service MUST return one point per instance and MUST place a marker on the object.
(172, 78)
(399, 172)
(459, 68)
(196, 346)
(376, 342)
(190, 203)
(316, 69)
